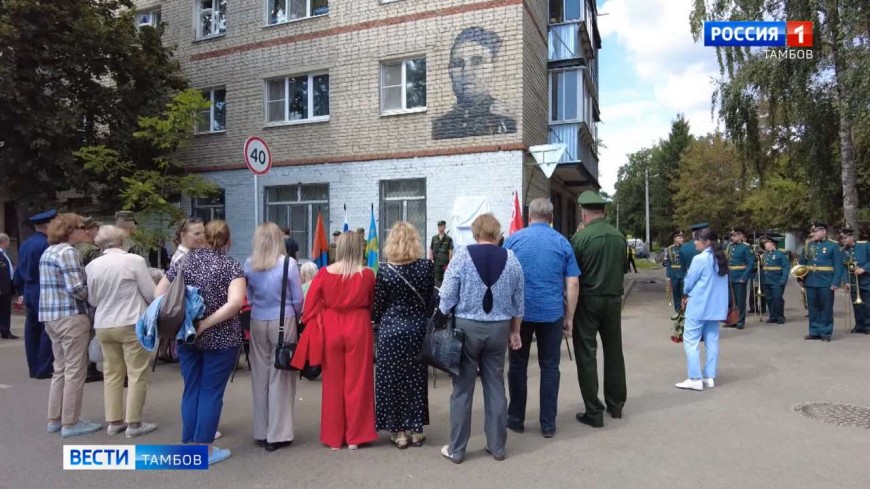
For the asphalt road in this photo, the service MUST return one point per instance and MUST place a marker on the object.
(744, 433)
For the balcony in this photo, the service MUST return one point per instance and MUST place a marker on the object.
(564, 42)
(576, 136)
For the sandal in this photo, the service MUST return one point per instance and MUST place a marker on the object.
(417, 439)
(400, 440)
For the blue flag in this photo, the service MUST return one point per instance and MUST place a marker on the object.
(372, 247)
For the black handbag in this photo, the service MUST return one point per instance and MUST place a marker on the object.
(442, 346)
(284, 350)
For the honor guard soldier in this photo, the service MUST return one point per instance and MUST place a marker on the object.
(441, 251)
(330, 253)
(687, 250)
(824, 259)
(741, 265)
(600, 252)
(675, 270)
(37, 344)
(774, 276)
(856, 257)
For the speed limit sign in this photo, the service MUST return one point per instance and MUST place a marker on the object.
(257, 155)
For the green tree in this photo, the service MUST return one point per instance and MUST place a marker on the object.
(153, 191)
(664, 171)
(709, 187)
(630, 193)
(76, 74)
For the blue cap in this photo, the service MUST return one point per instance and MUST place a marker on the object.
(699, 226)
(43, 217)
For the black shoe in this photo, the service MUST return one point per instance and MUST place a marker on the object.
(260, 443)
(271, 447)
(826, 338)
(781, 321)
(751, 311)
(589, 420)
(498, 458)
(812, 337)
(548, 433)
(43, 376)
(770, 321)
(516, 428)
(94, 377)
(9, 336)
(615, 413)
(740, 326)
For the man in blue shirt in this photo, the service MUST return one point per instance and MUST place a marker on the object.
(741, 264)
(549, 270)
(37, 344)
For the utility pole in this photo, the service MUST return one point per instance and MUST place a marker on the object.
(646, 191)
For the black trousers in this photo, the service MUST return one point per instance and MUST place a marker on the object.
(5, 314)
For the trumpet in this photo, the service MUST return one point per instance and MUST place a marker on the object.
(852, 266)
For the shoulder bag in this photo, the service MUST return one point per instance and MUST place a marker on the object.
(172, 308)
(733, 312)
(284, 350)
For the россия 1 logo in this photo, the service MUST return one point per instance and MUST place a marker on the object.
(794, 34)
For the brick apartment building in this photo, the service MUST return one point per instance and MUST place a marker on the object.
(406, 105)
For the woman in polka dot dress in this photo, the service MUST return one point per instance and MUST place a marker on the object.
(401, 308)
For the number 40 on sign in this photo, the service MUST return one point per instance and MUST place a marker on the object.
(257, 155)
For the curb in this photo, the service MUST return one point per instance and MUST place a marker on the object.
(627, 291)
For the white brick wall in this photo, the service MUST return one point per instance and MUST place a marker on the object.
(492, 175)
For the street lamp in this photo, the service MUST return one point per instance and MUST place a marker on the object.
(646, 198)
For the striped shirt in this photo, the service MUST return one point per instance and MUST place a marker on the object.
(62, 287)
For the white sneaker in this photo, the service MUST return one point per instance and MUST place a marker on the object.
(114, 429)
(143, 429)
(695, 385)
(709, 383)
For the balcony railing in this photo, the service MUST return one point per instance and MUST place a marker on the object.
(577, 150)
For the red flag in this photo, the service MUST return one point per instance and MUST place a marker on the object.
(320, 245)
(516, 216)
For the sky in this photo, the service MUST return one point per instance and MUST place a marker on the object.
(650, 69)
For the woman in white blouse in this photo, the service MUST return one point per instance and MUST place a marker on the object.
(120, 288)
(188, 237)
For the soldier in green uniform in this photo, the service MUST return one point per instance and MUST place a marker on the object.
(856, 256)
(741, 264)
(675, 271)
(441, 251)
(600, 252)
(126, 220)
(757, 303)
(687, 250)
(362, 234)
(824, 259)
(774, 276)
(88, 250)
(330, 254)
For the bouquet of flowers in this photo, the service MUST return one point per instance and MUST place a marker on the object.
(677, 326)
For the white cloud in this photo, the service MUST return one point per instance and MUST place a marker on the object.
(670, 73)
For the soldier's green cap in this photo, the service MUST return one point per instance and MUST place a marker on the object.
(442, 223)
(591, 198)
(699, 226)
(336, 233)
(125, 216)
(91, 223)
(360, 230)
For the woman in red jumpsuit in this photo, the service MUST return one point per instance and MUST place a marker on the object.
(339, 303)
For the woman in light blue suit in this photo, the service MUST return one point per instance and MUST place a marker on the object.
(706, 290)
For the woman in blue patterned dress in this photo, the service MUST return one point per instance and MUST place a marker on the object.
(402, 291)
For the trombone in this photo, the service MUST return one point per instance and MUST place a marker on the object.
(759, 295)
(851, 265)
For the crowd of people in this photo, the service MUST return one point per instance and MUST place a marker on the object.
(364, 329)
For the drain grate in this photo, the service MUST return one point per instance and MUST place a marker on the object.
(838, 414)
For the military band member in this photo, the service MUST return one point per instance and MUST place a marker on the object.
(757, 303)
(674, 269)
(441, 251)
(774, 276)
(741, 265)
(687, 249)
(856, 256)
(825, 261)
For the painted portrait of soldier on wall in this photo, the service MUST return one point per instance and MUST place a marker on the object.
(476, 113)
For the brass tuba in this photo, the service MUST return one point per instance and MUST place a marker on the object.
(800, 271)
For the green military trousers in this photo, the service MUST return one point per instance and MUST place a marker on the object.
(600, 315)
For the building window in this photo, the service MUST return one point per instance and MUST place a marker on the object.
(214, 118)
(565, 11)
(280, 11)
(403, 200)
(298, 98)
(564, 96)
(148, 18)
(296, 207)
(211, 18)
(403, 85)
(210, 208)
